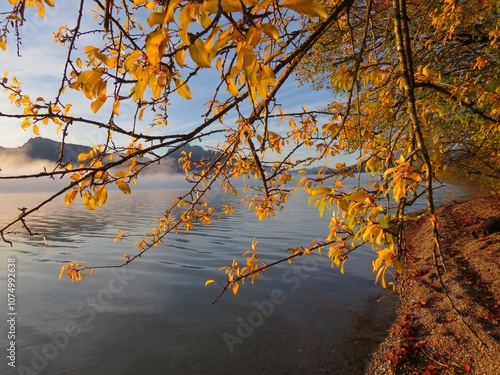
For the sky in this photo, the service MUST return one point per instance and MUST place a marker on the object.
(41, 63)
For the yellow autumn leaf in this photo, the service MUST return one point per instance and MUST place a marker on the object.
(230, 6)
(101, 90)
(88, 200)
(143, 75)
(398, 266)
(209, 282)
(399, 190)
(184, 21)
(266, 79)
(90, 49)
(90, 75)
(36, 130)
(253, 36)
(270, 30)
(250, 65)
(235, 288)
(76, 276)
(3, 44)
(183, 89)
(199, 54)
(310, 8)
(85, 155)
(155, 19)
(170, 14)
(116, 108)
(156, 42)
(131, 60)
(101, 196)
(96, 105)
(123, 186)
(25, 124)
(380, 238)
(63, 268)
(415, 176)
(156, 85)
(179, 57)
(70, 197)
(41, 9)
(231, 87)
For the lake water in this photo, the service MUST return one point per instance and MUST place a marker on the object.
(155, 316)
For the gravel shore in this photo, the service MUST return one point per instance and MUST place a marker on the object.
(448, 322)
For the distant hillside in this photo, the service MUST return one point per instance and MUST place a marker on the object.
(354, 168)
(46, 149)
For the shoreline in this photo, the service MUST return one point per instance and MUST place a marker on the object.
(452, 332)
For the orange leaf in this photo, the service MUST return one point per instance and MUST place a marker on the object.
(235, 288)
(435, 220)
(124, 187)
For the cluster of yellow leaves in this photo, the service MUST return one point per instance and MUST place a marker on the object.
(34, 112)
(327, 198)
(253, 262)
(404, 178)
(93, 176)
(235, 273)
(386, 258)
(32, 3)
(304, 131)
(202, 215)
(186, 160)
(21, 4)
(275, 141)
(90, 82)
(337, 254)
(448, 18)
(75, 271)
(120, 236)
(356, 219)
(91, 186)
(264, 205)
(155, 238)
(375, 125)
(146, 66)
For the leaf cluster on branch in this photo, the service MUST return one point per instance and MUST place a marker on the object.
(415, 96)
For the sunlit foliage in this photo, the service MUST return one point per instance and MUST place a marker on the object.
(416, 96)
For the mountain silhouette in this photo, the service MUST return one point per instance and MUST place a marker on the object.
(47, 149)
(40, 148)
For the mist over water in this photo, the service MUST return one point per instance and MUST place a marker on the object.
(155, 316)
(37, 158)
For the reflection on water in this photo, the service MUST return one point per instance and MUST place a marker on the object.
(155, 316)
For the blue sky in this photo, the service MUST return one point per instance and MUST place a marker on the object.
(41, 63)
